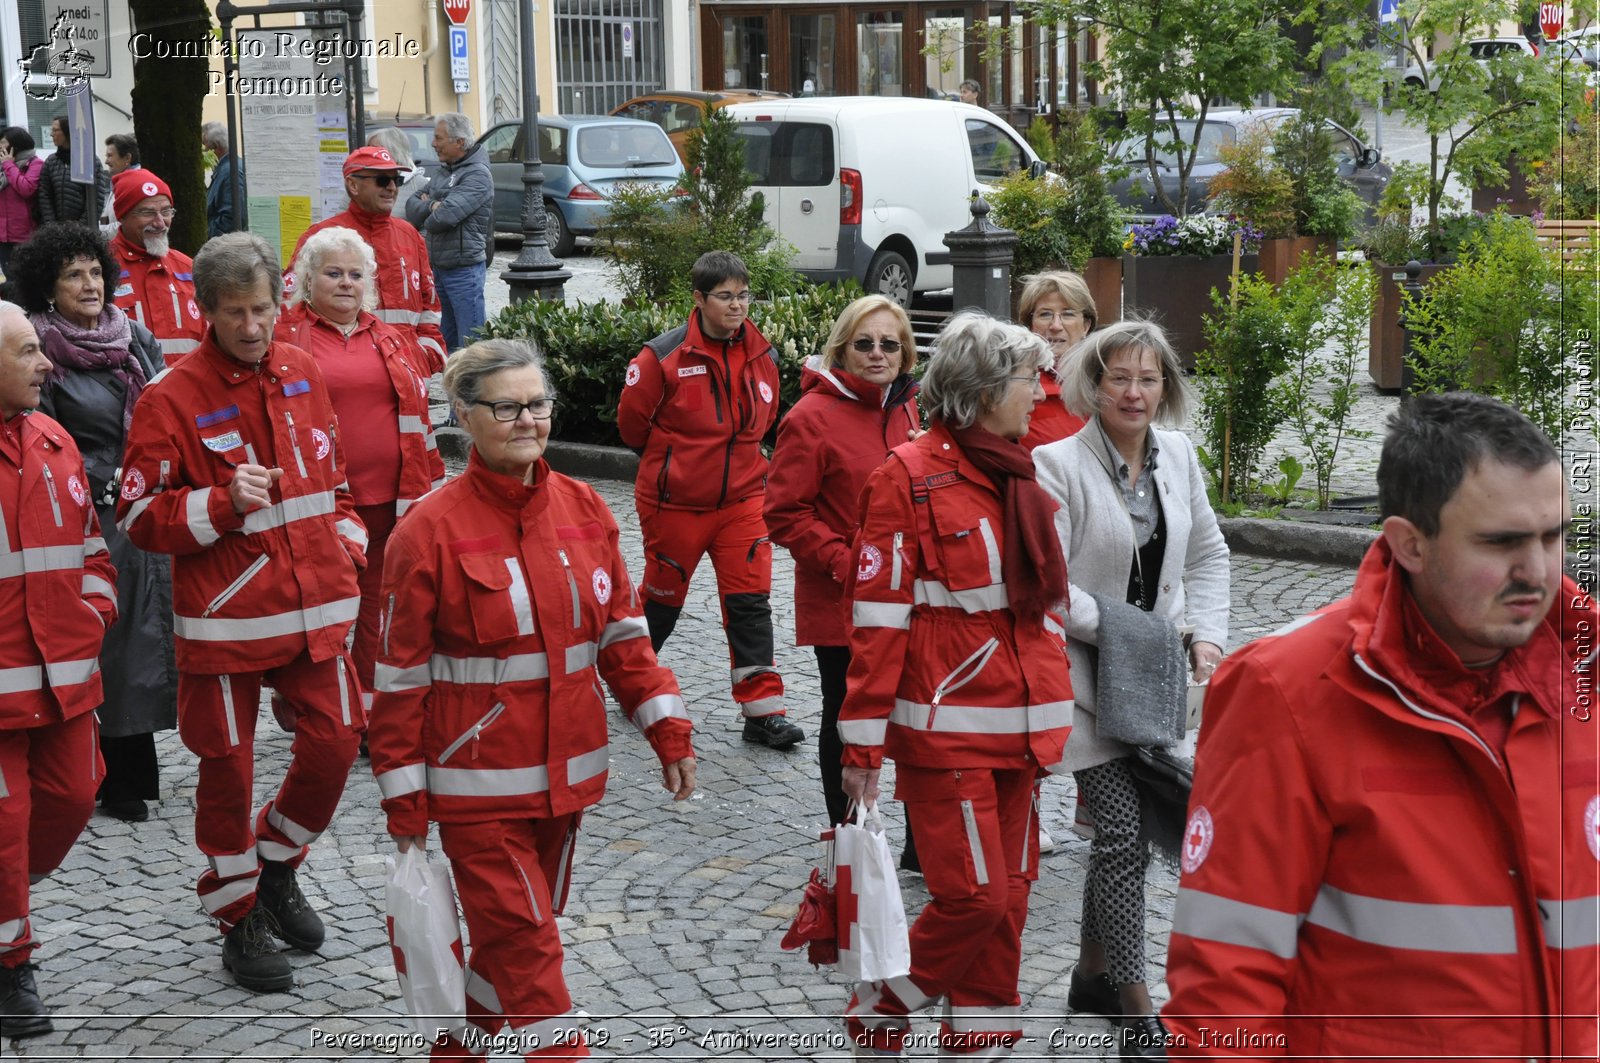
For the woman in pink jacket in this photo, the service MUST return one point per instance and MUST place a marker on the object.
(857, 403)
(19, 185)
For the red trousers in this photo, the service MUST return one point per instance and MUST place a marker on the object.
(217, 721)
(48, 777)
(379, 522)
(741, 556)
(977, 832)
(512, 877)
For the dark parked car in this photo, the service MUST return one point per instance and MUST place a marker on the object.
(1361, 166)
(584, 158)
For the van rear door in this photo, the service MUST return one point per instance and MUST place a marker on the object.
(794, 165)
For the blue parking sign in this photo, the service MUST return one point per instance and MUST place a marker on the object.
(1388, 11)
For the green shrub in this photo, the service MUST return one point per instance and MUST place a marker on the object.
(1247, 344)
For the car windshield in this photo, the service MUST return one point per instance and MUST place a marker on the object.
(619, 146)
(1213, 138)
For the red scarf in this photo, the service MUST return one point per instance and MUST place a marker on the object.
(1034, 569)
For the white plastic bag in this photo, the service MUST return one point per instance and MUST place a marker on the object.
(426, 940)
(873, 940)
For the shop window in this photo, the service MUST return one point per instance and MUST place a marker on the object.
(811, 55)
(744, 52)
(879, 53)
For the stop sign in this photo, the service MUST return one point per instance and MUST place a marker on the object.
(457, 11)
(1551, 16)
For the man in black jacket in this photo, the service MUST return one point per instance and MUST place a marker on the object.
(60, 197)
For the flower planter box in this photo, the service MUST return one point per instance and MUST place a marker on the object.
(1104, 277)
(1175, 291)
(1513, 194)
(1279, 256)
(1386, 362)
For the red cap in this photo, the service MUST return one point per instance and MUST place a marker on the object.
(132, 187)
(372, 159)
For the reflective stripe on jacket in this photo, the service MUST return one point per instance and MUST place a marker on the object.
(250, 592)
(159, 294)
(940, 675)
(1363, 874)
(58, 590)
(504, 604)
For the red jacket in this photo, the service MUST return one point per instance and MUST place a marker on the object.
(828, 444)
(940, 674)
(251, 592)
(159, 294)
(503, 605)
(58, 591)
(1051, 419)
(406, 296)
(421, 468)
(1356, 851)
(697, 409)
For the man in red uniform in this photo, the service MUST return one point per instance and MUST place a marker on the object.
(406, 297)
(234, 466)
(1393, 847)
(58, 595)
(696, 403)
(156, 285)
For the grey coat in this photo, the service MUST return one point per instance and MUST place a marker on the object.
(137, 664)
(1097, 538)
(459, 233)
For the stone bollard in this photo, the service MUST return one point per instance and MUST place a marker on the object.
(981, 257)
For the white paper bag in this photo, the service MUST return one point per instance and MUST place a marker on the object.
(873, 941)
(426, 940)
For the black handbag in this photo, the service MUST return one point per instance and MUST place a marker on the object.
(1164, 781)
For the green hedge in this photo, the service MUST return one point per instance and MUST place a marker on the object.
(588, 346)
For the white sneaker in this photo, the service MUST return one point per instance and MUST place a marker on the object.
(1046, 843)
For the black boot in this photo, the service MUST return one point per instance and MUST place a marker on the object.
(290, 915)
(250, 954)
(1143, 1037)
(774, 732)
(22, 1013)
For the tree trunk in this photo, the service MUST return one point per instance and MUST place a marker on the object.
(167, 98)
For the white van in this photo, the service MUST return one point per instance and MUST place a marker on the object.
(867, 186)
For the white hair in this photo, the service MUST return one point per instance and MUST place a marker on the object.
(455, 124)
(332, 241)
(974, 359)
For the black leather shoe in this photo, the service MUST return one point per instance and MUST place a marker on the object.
(289, 914)
(132, 810)
(252, 957)
(22, 1013)
(1094, 994)
(774, 732)
(1143, 1037)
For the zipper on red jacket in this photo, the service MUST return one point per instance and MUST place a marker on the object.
(471, 734)
(300, 462)
(388, 623)
(237, 585)
(663, 491)
(572, 584)
(956, 679)
(895, 564)
(50, 486)
(533, 902)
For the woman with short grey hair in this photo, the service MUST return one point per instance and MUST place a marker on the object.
(377, 380)
(508, 601)
(957, 673)
(1140, 538)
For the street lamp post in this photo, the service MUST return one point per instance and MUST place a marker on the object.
(536, 272)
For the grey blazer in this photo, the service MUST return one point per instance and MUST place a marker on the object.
(1097, 538)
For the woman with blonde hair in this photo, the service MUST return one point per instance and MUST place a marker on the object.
(857, 403)
(1058, 307)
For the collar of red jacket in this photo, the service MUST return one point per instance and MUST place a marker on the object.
(125, 248)
(747, 342)
(231, 370)
(1391, 635)
(507, 492)
(304, 315)
(814, 376)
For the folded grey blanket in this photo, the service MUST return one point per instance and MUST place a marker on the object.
(1141, 696)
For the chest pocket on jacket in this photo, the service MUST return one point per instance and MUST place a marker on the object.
(969, 545)
(693, 393)
(497, 597)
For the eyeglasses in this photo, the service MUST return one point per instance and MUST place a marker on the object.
(382, 180)
(1034, 380)
(865, 344)
(725, 298)
(1120, 381)
(538, 409)
(1050, 317)
(147, 213)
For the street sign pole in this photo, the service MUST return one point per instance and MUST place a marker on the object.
(536, 272)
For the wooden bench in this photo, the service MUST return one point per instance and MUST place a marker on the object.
(1568, 238)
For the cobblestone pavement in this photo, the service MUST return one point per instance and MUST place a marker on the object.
(673, 924)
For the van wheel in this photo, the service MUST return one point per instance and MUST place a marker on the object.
(556, 233)
(890, 274)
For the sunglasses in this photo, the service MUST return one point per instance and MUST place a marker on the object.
(865, 345)
(382, 180)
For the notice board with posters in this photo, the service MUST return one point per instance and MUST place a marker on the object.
(294, 133)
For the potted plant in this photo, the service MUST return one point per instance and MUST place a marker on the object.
(1254, 185)
(1172, 266)
(1326, 208)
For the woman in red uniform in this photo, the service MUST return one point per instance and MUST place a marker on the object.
(856, 404)
(378, 382)
(505, 601)
(958, 673)
(1058, 307)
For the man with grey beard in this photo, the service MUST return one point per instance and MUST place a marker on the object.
(155, 284)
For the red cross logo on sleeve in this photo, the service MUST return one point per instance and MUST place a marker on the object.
(1197, 838)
